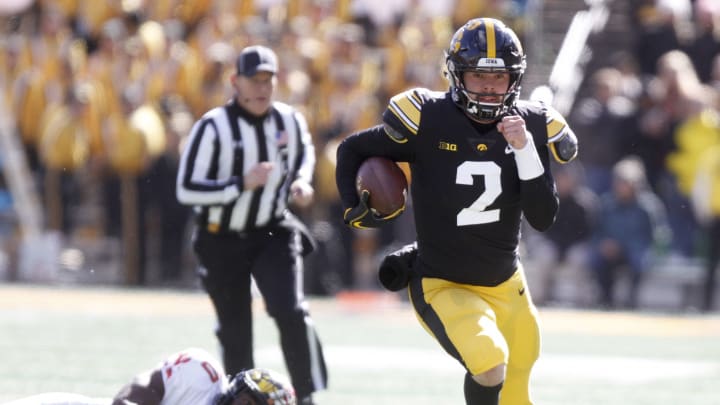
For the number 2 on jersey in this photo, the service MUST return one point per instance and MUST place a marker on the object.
(476, 214)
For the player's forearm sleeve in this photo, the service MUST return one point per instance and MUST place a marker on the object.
(528, 161)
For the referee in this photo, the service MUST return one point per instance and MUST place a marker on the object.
(243, 164)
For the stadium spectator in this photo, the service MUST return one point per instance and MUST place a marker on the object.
(170, 218)
(631, 85)
(8, 228)
(661, 26)
(630, 223)
(706, 205)
(565, 244)
(696, 128)
(676, 101)
(602, 121)
(132, 137)
(705, 45)
(64, 150)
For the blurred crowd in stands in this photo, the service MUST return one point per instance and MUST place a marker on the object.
(649, 132)
(103, 94)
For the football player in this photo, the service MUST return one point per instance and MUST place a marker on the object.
(480, 162)
(189, 377)
(194, 377)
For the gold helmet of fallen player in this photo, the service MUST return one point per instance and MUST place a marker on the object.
(259, 386)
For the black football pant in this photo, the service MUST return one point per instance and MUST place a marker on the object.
(273, 259)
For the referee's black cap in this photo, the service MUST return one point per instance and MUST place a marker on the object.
(255, 59)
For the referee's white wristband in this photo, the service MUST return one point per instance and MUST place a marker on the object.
(528, 161)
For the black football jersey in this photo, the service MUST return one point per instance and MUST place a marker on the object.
(467, 197)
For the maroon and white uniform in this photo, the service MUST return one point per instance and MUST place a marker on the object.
(192, 377)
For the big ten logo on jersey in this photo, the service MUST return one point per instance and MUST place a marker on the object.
(447, 146)
(187, 361)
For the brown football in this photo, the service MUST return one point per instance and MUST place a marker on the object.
(386, 183)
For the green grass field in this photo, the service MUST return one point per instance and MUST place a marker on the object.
(92, 340)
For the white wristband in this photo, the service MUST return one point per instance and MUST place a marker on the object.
(528, 161)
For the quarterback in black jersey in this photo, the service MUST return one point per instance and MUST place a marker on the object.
(480, 162)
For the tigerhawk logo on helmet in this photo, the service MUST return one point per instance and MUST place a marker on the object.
(485, 45)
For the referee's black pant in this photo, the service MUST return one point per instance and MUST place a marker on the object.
(273, 257)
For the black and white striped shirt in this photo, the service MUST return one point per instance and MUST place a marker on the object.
(223, 145)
